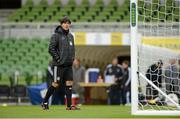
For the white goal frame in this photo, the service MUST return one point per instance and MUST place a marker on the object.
(135, 73)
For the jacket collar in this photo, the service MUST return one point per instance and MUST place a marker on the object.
(59, 29)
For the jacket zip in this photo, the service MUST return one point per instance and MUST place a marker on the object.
(68, 43)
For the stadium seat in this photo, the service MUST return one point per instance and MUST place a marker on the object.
(100, 19)
(20, 90)
(176, 18)
(176, 10)
(70, 5)
(99, 4)
(28, 4)
(4, 91)
(86, 19)
(85, 4)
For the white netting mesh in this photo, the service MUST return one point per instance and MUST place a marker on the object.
(158, 53)
(158, 17)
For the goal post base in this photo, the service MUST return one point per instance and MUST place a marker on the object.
(157, 113)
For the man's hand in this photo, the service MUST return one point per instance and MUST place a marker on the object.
(58, 59)
(55, 84)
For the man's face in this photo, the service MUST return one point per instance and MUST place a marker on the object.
(76, 62)
(172, 61)
(114, 62)
(159, 65)
(66, 25)
(124, 65)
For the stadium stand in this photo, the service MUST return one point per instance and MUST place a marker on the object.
(28, 56)
(78, 13)
(98, 12)
(160, 12)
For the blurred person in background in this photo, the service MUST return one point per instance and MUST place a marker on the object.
(78, 76)
(116, 89)
(154, 74)
(127, 81)
(171, 77)
(100, 79)
(62, 50)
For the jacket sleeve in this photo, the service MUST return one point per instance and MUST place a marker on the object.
(74, 48)
(121, 78)
(83, 74)
(129, 77)
(148, 73)
(160, 77)
(53, 48)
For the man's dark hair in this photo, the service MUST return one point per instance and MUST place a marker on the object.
(65, 20)
(78, 60)
(126, 62)
(160, 62)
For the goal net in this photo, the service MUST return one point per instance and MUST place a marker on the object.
(155, 46)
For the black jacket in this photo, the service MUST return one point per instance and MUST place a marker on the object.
(154, 74)
(117, 71)
(61, 47)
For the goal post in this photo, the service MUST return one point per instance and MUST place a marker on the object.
(134, 80)
(155, 57)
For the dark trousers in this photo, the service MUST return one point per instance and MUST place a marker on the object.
(116, 95)
(58, 96)
(151, 93)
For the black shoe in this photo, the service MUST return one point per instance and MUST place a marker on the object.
(73, 108)
(45, 106)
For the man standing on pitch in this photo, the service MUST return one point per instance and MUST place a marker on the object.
(62, 50)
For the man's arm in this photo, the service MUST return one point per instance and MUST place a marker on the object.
(148, 73)
(119, 76)
(129, 77)
(74, 48)
(121, 72)
(53, 48)
(83, 74)
(160, 77)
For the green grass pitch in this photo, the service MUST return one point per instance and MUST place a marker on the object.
(87, 111)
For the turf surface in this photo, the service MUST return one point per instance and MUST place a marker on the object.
(60, 112)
